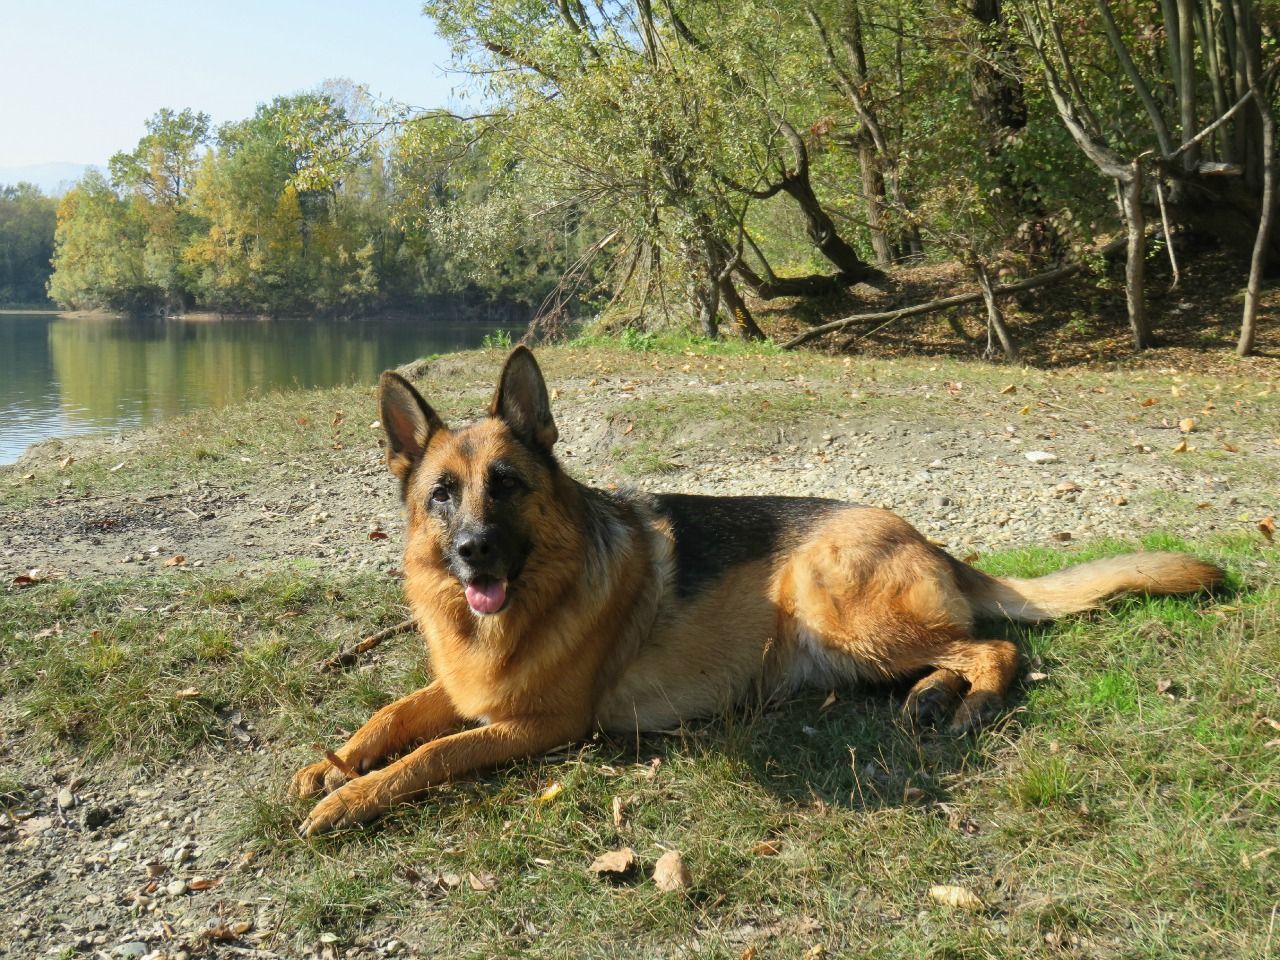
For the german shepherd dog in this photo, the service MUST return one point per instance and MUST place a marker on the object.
(552, 609)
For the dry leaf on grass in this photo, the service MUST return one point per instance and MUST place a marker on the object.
(482, 882)
(176, 560)
(1267, 527)
(767, 848)
(553, 790)
(1186, 424)
(615, 863)
(670, 874)
(617, 812)
(1181, 447)
(953, 896)
(1011, 388)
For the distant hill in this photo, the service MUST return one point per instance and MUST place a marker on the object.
(53, 179)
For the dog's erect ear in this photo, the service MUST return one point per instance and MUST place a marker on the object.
(408, 422)
(521, 401)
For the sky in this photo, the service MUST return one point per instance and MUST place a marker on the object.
(78, 78)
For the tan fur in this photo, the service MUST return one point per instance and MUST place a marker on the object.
(595, 634)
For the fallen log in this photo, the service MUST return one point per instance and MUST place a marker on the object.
(885, 317)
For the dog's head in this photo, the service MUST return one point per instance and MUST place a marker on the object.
(476, 494)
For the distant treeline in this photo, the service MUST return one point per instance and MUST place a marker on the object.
(27, 220)
(312, 205)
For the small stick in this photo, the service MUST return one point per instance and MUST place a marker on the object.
(345, 658)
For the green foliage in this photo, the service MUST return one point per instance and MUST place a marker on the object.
(27, 223)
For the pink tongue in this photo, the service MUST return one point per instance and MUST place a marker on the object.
(487, 595)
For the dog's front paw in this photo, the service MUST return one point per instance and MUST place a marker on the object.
(320, 777)
(310, 780)
(356, 802)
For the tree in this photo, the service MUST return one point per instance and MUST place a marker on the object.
(27, 222)
(99, 249)
(159, 175)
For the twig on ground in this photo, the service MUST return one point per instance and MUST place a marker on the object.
(345, 658)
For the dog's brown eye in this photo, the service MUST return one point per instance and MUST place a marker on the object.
(440, 494)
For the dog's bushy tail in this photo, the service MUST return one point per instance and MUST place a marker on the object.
(1085, 586)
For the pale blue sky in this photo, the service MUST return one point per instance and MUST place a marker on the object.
(78, 78)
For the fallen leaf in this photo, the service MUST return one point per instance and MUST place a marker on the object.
(1181, 447)
(816, 952)
(748, 954)
(1025, 410)
(24, 580)
(553, 790)
(218, 933)
(377, 535)
(1066, 486)
(767, 848)
(187, 693)
(1011, 388)
(615, 863)
(953, 896)
(200, 883)
(1186, 424)
(1164, 686)
(670, 875)
(1119, 501)
(828, 703)
(617, 813)
(1267, 527)
(176, 560)
(630, 427)
(1149, 402)
(1230, 447)
(1036, 676)
(483, 882)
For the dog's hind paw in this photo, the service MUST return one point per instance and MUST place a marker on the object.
(975, 712)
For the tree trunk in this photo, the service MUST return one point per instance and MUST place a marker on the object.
(743, 322)
(1135, 262)
(995, 318)
(822, 233)
(1258, 262)
(874, 196)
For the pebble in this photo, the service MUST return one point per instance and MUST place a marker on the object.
(66, 799)
(176, 888)
(135, 948)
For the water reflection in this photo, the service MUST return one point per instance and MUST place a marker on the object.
(61, 376)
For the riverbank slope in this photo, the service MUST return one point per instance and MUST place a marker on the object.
(169, 595)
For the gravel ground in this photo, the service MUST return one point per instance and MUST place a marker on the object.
(118, 861)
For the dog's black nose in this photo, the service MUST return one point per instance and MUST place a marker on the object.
(474, 546)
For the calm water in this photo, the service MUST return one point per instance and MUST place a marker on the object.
(62, 376)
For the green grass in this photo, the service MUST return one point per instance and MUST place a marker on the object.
(1104, 805)
(151, 667)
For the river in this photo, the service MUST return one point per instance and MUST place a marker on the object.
(62, 376)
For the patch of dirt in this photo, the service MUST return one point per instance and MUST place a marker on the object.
(1080, 322)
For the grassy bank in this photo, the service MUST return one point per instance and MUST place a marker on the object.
(1126, 805)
